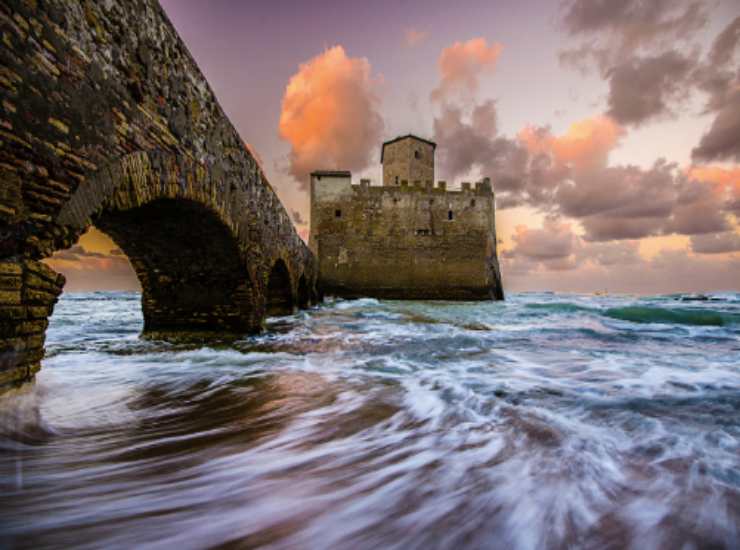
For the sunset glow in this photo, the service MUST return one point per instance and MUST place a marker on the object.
(556, 144)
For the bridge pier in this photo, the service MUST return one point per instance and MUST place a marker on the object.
(193, 276)
(28, 292)
(280, 299)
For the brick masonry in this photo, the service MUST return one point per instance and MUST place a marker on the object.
(105, 119)
(405, 242)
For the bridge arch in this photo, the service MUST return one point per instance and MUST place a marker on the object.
(137, 144)
(303, 293)
(280, 299)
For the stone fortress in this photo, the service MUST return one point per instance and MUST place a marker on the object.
(406, 239)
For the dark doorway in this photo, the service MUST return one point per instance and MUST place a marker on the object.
(279, 291)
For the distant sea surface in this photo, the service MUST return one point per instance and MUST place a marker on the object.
(546, 421)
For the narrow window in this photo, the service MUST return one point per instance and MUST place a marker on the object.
(431, 202)
(396, 180)
(417, 155)
(472, 203)
(449, 214)
(337, 213)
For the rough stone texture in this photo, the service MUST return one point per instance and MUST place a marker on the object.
(28, 292)
(404, 242)
(408, 158)
(106, 119)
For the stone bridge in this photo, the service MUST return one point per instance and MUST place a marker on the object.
(107, 120)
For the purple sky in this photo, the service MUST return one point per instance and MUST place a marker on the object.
(567, 106)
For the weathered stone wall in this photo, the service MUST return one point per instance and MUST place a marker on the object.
(106, 119)
(404, 242)
(28, 292)
(408, 159)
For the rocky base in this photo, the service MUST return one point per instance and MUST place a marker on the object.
(471, 294)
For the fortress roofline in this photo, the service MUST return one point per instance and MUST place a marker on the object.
(334, 173)
(399, 138)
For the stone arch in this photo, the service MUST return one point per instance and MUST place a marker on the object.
(184, 245)
(130, 142)
(303, 293)
(188, 262)
(279, 292)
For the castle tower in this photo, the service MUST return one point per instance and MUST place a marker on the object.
(408, 158)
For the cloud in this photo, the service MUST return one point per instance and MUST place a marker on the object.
(414, 37)
(554, 241)
(670, 271)
(637, 46)
(615, 253)
(726, 43)
(643, 87)
(725, 183)
(719, 77)
(553, 257)
(722, 141)
(330, 114)
(556, 247)
(461, 66)
(716, 243)
(87, 270)
(623, 201)
(568, 175)
(614, 31)
(584, 146)
(463, 145)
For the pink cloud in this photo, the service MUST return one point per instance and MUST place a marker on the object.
(585, 145)
(86, 270)
(414, 37)
(462, 64)
(330, 114)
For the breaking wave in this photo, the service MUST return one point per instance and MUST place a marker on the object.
(642, 314)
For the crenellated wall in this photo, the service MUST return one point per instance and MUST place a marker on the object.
(405, 242)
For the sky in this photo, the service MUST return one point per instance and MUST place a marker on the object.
(609, 128)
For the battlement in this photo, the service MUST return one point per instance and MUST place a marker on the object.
(344, 178)
(406, 238)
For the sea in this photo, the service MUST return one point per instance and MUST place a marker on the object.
(546, 421)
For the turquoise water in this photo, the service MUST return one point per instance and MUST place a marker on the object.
(546, 421)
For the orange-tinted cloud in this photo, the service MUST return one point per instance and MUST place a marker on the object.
(462, 64)
(94, 263)
(413, 37)
(725, 183)
(330, 114)
(725, 180)
(585, 145)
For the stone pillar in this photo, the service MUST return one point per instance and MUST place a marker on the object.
(28, 292)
